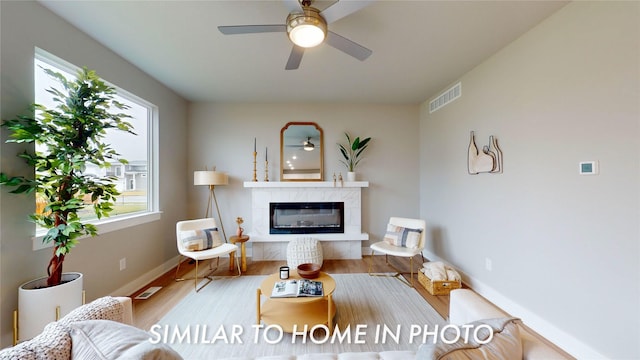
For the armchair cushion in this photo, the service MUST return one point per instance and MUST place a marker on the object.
(402, 236)
(200, 239)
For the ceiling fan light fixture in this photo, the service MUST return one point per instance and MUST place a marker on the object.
(306, 29)
(308, 146)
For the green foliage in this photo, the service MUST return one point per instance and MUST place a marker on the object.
(352, 151)
(72, 133)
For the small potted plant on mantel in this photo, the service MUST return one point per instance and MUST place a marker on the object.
(68, 137)
(352, 154)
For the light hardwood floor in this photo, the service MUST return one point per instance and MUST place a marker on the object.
(150, 311)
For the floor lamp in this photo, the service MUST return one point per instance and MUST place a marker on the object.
(212, 178)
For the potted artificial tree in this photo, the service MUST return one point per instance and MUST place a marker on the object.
(351, 154)
(67, 138)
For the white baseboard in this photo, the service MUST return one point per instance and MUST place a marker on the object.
(146, 278)
(543, 327)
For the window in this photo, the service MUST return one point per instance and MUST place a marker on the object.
(135, 180)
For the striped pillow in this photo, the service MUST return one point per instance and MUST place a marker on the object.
(202, 239)
(402, 237)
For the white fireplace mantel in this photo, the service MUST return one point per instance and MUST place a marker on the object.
(305, 184)
(347, 245)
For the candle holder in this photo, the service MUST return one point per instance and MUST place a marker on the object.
(284, 272)
(266, 170)
(254, 166)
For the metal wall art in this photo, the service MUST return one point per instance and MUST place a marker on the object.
(489, 160)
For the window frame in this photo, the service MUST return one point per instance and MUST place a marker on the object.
(117, 222)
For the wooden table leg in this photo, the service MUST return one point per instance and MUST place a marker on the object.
(330, 318)
(243, 255)
(258, 307)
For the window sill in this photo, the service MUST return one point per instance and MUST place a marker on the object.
(106, 226)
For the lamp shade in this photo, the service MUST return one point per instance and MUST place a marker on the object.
(208, 177)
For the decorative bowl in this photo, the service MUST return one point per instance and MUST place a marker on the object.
(309, 270)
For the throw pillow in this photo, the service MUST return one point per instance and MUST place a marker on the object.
(18, 352)
(104, 308)
(505, 344)
(202, 239)
(52, 343)
(105, 339)
(403, 237)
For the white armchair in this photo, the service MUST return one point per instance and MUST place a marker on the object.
(404, 238)
(199, 240)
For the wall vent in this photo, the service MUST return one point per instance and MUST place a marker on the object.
(445, 98)
(147, 293)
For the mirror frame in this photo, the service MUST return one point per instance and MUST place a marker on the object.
(282, 146)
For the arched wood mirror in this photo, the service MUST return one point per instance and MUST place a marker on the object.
(301, 148)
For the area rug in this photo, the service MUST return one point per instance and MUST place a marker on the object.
(372, 314)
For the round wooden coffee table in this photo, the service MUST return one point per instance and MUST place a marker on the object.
(296, 312)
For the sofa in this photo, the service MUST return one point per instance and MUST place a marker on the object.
(466, 306)
(102, 330)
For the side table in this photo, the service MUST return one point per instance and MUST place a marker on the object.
(243, 251)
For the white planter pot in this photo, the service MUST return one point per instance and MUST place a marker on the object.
(351, 176)
(37, 303)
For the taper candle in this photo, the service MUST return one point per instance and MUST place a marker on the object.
(254, 144)
(265, 153)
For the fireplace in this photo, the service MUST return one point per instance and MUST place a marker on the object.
(306, 217)
(267, 246)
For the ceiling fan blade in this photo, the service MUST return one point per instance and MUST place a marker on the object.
(343, 8)
(347, 46)
(294, 58)
(292, 5)
(251, 29)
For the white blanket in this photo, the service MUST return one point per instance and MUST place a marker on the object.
(438, 271)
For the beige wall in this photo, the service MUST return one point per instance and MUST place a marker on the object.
(564, 247)
(222, 135)
(25, 25)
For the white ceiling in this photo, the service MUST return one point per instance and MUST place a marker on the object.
(419, 47)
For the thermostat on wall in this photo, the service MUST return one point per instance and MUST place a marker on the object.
(588, 168)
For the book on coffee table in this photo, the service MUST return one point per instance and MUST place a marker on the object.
(296, 288)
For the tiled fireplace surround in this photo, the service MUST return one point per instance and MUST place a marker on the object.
(347, 245)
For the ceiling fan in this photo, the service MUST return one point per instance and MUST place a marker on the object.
(306, 145)
(307, 27)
